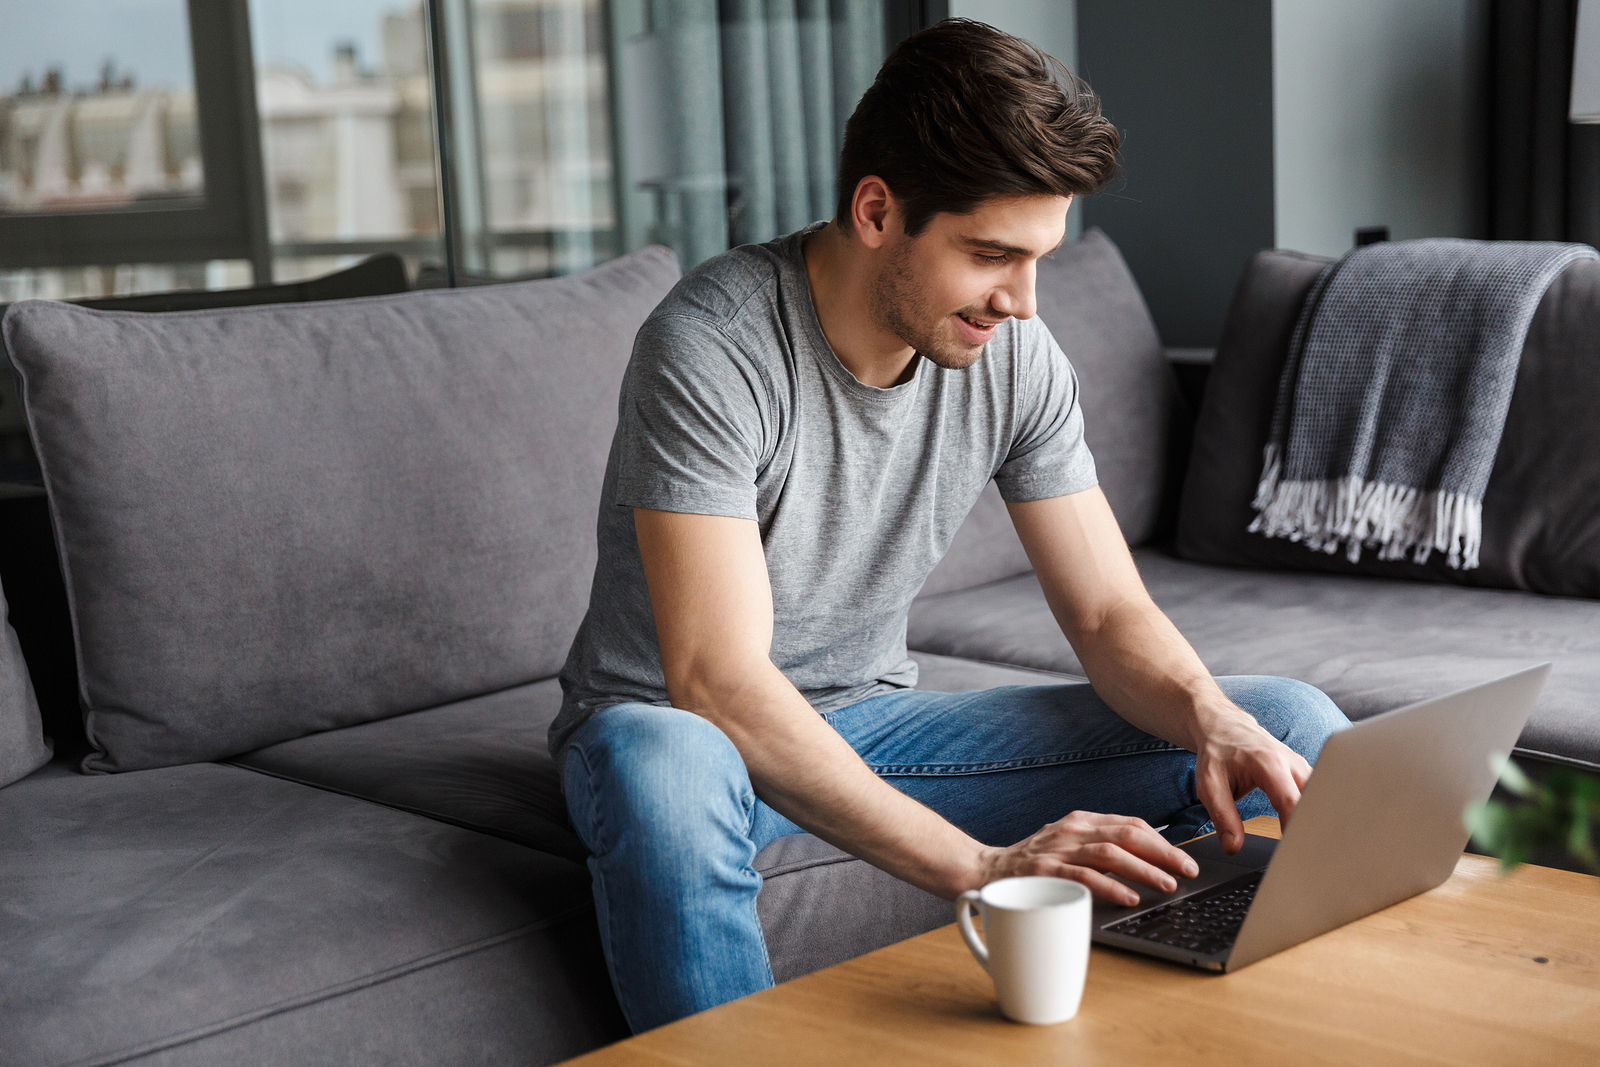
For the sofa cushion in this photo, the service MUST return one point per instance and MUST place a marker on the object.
(1541, 510)
(208, 914)
(956, 674)
(279, 520)
(984, 549)
(22, 746)
(483, 764)
(1371, 644)
(1094, 310)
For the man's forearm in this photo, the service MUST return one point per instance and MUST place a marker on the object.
(1150, 675)
(1138, 661)
(713, 607)
(804, 770)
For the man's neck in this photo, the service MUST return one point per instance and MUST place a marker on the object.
(841, 280)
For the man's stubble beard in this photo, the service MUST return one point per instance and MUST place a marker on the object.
(899, 304)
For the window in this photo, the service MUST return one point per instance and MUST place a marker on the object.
(346, 121)
(126, 134)
(149, 145)
(104, 117)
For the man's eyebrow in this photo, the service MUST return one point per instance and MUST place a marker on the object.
(984, 242)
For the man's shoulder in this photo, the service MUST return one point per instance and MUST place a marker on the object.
(731, 293)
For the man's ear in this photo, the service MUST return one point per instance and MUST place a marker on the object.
(874, 212)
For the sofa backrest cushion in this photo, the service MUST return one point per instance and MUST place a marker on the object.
(279, 520)
(22, 745)
(1094, 309)
(1541, 510)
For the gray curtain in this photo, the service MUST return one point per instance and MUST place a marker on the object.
(1544, 170)
(693, 195)
(760, 93)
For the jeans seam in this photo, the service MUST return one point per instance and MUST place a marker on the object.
(761, 881)
(597, 818)
(1029, 762)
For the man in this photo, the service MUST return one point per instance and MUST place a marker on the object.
(803, 427)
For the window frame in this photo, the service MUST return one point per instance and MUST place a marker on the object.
(228, 222)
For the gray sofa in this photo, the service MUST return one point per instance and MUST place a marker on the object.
(306, 574)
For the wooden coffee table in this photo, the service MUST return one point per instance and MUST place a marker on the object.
(1485, 969)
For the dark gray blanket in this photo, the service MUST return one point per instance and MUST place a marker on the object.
(1395, 392)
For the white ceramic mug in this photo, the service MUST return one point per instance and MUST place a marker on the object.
(1037, 951)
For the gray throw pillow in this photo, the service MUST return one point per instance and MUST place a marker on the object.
(1541, 510)
(278, 520)
(1094, 309)
(23, 749)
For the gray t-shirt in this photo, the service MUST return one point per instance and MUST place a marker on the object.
(734, 404)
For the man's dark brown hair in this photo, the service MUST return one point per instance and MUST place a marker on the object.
(962, 112)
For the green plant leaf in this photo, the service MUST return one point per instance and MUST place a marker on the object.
(1511, 776)
(1561, 811)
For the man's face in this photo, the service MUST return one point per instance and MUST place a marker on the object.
(945, 291)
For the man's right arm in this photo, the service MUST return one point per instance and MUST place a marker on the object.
(712, 603)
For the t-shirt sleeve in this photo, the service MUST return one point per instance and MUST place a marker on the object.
(1048, 455)
(690, 433)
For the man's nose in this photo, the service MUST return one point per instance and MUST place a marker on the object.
(1016, 298)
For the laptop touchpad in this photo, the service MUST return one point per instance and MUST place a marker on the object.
(1256, 853)
(1216, 867)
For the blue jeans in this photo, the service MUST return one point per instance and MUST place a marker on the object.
(664, 804)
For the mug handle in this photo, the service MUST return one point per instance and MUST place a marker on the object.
(964, 905)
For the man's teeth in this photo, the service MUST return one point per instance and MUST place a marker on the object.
(977, 325)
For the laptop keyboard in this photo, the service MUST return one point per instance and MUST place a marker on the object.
(1206, 922)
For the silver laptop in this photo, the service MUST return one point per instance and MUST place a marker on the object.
(1379, 821)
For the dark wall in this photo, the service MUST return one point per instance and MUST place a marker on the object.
(1190, 86)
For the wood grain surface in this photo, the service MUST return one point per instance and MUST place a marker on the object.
(1485, 969)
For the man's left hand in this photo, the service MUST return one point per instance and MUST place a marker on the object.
(1235, 756)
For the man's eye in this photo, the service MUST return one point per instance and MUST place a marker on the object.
(996, 260)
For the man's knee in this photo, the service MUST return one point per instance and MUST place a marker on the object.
(658, 770)
(1300, 715)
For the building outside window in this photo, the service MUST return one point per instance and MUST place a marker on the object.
(97, 114)
(346, 119)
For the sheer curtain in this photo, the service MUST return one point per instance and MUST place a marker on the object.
(732, 113)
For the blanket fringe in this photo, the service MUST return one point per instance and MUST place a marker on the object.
(1354, 513)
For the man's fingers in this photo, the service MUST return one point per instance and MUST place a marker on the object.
(1216, 793)
(1089, 847)
(1282, 790)
(1138, 837)
(1301, 770)
(1143, 841)
(1114, 859)
(1102, 886)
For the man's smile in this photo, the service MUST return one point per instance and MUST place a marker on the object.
(975, 331)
